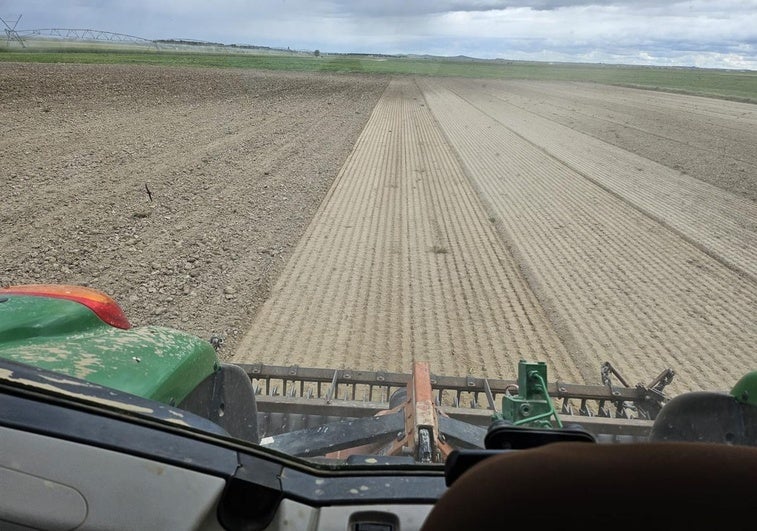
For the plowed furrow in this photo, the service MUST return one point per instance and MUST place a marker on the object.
(402, 263)
(720, 223)
(617, 284)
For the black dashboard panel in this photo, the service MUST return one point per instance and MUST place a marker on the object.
(256, 485)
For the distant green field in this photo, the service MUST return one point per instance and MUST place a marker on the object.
(730, 84)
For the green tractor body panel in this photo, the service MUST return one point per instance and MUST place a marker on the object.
(65, 336)
(745, 390)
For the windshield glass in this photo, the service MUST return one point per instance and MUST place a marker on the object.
(314, 212)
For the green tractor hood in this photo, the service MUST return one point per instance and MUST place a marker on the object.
(68, 337)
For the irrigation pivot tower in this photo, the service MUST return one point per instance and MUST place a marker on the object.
(11, 34)
(69, 34)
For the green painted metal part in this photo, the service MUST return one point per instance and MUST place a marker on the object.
(65, 336)
(532, 405)
(745, 390)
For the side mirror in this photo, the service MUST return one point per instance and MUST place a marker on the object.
(226, 398)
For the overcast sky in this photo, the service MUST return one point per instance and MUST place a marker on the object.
(717, 33)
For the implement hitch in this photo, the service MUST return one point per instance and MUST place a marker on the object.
(531, 408)
(420, 417)
(413, 427)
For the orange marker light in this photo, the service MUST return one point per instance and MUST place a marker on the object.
(101, 304)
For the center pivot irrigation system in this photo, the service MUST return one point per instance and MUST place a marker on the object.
(13, 35)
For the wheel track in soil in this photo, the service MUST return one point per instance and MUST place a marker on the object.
(564, 108)
(618, 285)
(720, 223)
(681, 132)
(732, 119)
(401, 263)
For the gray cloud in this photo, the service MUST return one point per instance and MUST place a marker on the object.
(390, 8)
(721, 32)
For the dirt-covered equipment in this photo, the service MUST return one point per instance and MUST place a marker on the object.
(421, 416)
(339, 415)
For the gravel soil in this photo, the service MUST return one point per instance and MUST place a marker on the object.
(179, 192)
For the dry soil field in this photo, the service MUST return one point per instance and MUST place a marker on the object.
(363, 222)
(236, 162)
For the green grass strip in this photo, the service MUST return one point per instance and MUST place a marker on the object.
(736, 85)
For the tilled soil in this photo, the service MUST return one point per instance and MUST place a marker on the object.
(236, 163)
(634, 262)
(354, 222)
(471, 231)
(709, 139)
(401, 263)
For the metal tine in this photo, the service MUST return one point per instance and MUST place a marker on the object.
(622, 411)
(275, 390)
(584, 409)
(489, 396)
(332, 389)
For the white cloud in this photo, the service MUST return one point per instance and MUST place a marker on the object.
(717, 33)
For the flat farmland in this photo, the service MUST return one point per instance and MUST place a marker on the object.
(365, 222)
(478, 222)
(236, 163)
